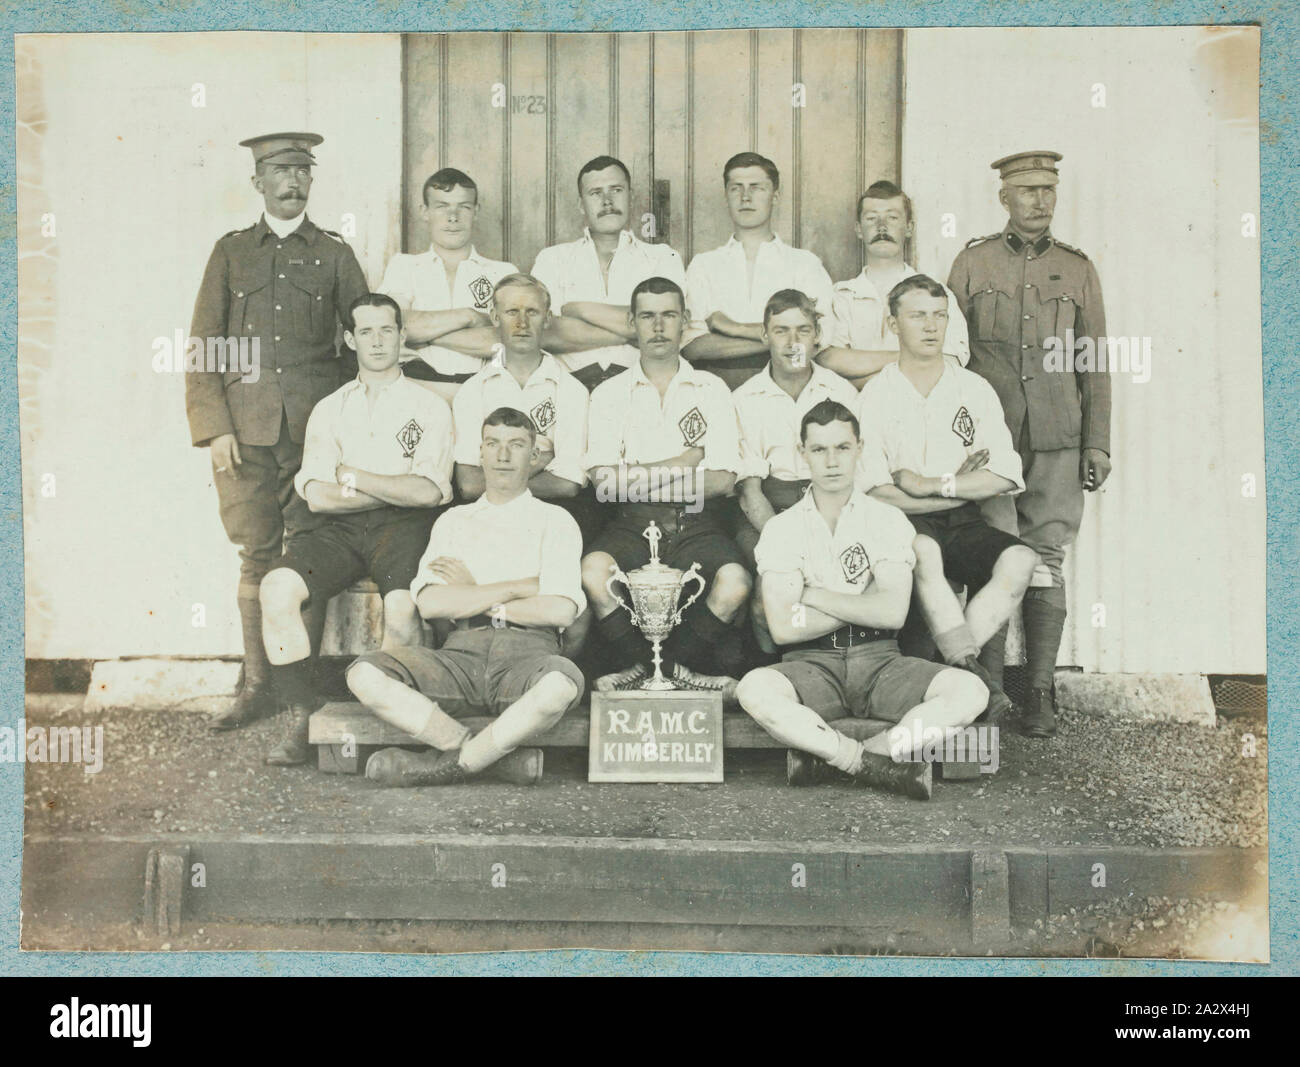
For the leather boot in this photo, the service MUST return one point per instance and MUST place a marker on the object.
(1039, 716)
(998, 709)
(255, 698)
(293, 748)
(399, 767)
(802, 768)
(915, 780)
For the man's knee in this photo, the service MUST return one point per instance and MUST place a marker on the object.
(398, 606)
(596, 569)
(965, 693)
(1017, 564)
(755, 686)
(364, 679)
(566, 681)
(282, 591)
(730, 587)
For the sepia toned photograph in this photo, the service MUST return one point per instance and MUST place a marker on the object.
(784, 491)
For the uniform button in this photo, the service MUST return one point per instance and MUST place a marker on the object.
(277, 308)
(1024, 378)
(1026, 317)
(279, 246)
(1027, 285)
(318, 298)
(1022, 346)
(277, 338)
(278, 370)
(248, 326)
(239, 294)
(283, 276)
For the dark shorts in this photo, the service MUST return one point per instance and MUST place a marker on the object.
(687, 538)
(478, 671)
(969, 545)
(384, 545)
(873, 681)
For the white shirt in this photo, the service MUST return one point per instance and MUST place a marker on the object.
(859, 311)
(770, 417)
(405, 430)
(522, 538)
(869, 532)
(628, 423)
(552, 397)
(571, 271)
(284, 227)
(418, 282)
(717, 280)
(932, 435)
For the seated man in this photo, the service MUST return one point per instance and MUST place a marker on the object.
(445, 292)
(663, 446)
(377, 461)
(861, 342)
(506, 570)
(836, 577)
(590, 279)
(935, 444)
(771, 405)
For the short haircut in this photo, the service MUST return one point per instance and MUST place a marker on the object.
(884, 190)
(824, 413)
(656, 285)
(525, 280)
(372, 300)
(511, 417)
(916, 281)
(446, 180)
(751, 159)
(601, 163)
(791, 300)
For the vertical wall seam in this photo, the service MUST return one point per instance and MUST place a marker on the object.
(689, 250)
(660, 225)
(796, 166)
(753, 90)
(613, 95)
(550, 139)
(443, 48)
(860, 127)
(506, 200)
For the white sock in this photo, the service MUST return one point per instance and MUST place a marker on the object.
(848, 754)
(441, 731)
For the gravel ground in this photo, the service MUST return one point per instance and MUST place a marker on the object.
(1099, 782)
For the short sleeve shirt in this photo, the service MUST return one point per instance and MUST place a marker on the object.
(522, 538)
(770, 418)
(571, 272)
(859, 311)
(717, 281)
(932, 435)
(552, 397)
(628, 422)
(419, 283)
(405, 429)
(869, 532)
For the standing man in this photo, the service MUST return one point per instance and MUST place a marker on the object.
(836, 578)
(377, 461)
(1023, 291)
(505, 570)
(663, 445)
(448, 289)
(861, 342)
(284, 283)
(729, 286)
(591, 279)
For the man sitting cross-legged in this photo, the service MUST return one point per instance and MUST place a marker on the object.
(835, 574)
(376, 461)
(506, 569)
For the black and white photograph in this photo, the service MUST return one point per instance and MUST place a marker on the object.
(777, 490)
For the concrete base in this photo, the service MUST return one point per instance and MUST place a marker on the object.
(162, 684)
(1146, 697)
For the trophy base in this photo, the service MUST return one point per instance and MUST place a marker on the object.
(657, 685)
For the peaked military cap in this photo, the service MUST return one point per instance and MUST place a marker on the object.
(283, 147)
(1029, 168)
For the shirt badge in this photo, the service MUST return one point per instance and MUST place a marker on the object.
(854, 562)
(693, 426)
(481, 290)
(408, 437)
(964, 426)
(543, 416)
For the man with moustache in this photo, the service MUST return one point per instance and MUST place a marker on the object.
(285, 283)
(1023, 292)
(591, 279)
(860, 341)
(376, 462)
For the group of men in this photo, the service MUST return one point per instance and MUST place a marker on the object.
(507, 438)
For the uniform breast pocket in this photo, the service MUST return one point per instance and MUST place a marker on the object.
(249, 302)
(309, 297)
(994, 314)
(1056, 312)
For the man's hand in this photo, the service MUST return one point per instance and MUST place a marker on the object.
(475, 318)
(911, 483)
(225, 455)
(452, 571)
(975, 461)
(1094, 469)
(347, 478)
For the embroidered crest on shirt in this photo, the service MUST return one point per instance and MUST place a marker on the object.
(408, 437)
(543, 416)
(481, 290)
(964, 426)
(693, 425)
(854, 562)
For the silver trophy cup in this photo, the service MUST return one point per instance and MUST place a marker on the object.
(655, 590)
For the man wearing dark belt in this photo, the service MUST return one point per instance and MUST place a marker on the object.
(376, 462)
(285, 284)
(934, 445)
(663, 445)
(506, 570)
(771, 405)
(836, 577)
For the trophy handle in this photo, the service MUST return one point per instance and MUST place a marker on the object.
(616, 575)
(693, 573)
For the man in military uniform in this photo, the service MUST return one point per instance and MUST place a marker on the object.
(1024, 293)
(283, 283)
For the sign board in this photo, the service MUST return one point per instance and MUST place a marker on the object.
(640, 736)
